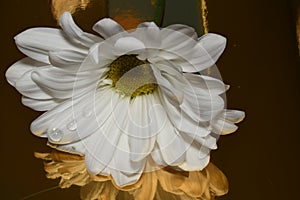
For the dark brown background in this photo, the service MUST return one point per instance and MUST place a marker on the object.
(261, 64)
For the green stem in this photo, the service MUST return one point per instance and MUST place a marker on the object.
(159, 12)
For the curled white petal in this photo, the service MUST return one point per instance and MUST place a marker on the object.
(107, 28)
(75, 33)
(37, 42)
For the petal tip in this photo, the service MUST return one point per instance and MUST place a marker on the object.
(35, 76)
(64, 15)
(9, 75)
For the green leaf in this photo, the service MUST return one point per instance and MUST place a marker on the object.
(185, 12)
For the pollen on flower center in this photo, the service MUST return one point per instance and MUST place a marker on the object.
(131, 76)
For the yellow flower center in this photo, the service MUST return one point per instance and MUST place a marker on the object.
(131, 76)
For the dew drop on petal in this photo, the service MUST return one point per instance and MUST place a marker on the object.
(87, 113)
(55, 135)
(72, 126)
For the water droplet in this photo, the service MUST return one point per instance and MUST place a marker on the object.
(55, 135)
(72, 126)
(87, 113)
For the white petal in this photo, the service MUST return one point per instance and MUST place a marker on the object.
(175, 104)
(205, 53)
(171, 145)
(107, 138)
(95, 110)
(157, 156)
(75, 33)
(83, 112)
(212, 85)
(147, 118)
(209, 141)
(223, 127)
(149, 34)
(174, 94)
(128, 45)
(202, 107)
(101, 148)
(123, 179)
(61, 83)
(183, 123)
(181, 54)
(199, 104)
(18, 69)
(37, 42)
(40, 125)
(193, 160)
(167, 66)
(40, 104)
(141, 112)
(100, 55)
(107, 28)
(54, 83)
(173, 40)
(176, 46)
(234, 116)
(121, 160)
(27, 87)
(140, 148)
(105, 104)
(67, 59)
(214, 44)
(74, 148)
(187, 30)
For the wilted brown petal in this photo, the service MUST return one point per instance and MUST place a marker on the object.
(91, 190)
(171, 182)
(217, 180)
(196, 184)
(162, 184)
(148, 187)
(98, 190)
(69, 167)
(109, 192)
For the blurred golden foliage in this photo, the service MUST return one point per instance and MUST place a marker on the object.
(61, 6)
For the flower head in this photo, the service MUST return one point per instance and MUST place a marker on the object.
(127, 100)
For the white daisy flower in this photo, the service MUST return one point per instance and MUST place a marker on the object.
(124, 99)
